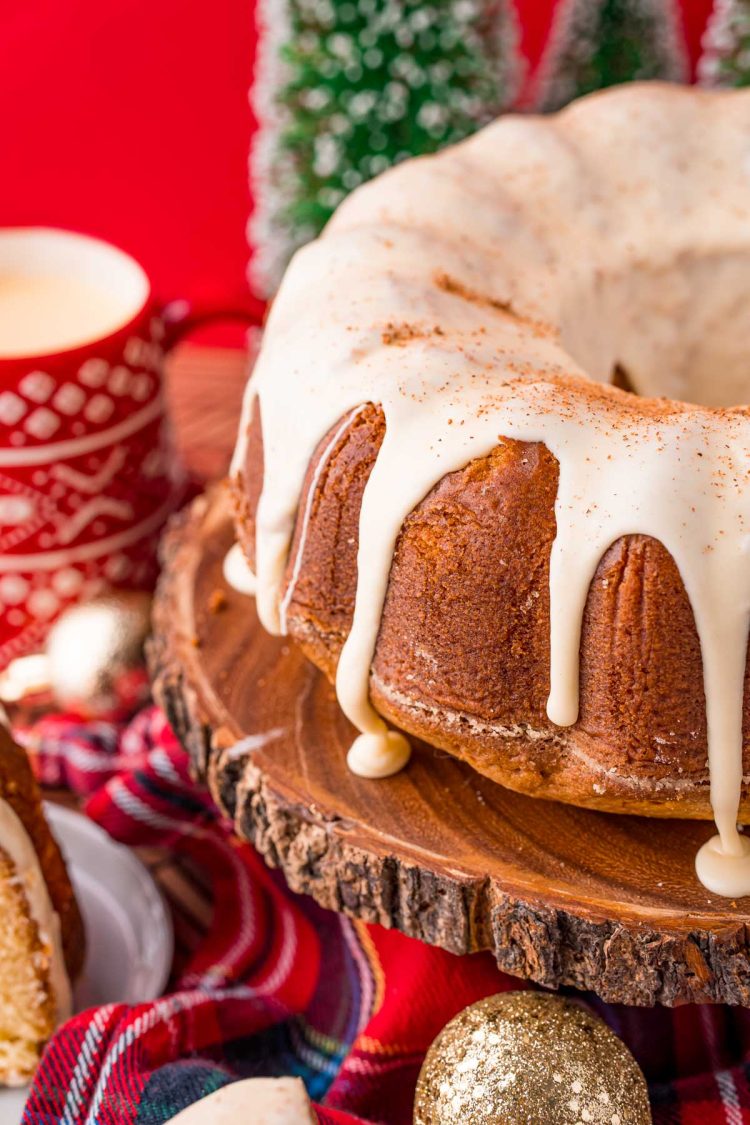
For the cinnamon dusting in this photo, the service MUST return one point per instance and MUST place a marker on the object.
(217, 601)
(457, 288)
(399, 334)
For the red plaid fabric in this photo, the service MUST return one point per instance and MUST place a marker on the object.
(268, 983)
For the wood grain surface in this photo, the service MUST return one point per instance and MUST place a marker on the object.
(204, 392)
(561, 895)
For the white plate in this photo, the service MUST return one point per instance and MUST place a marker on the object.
(129, 940)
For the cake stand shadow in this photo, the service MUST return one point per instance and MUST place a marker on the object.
(560, 895)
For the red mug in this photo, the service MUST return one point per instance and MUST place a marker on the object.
(88, 470)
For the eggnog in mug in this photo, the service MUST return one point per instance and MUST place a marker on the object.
(88, 472)
(59, 291)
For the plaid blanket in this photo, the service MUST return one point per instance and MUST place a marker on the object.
(264, 982)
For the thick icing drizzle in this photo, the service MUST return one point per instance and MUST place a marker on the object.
(584, 238)
(317, 474)
(237, 572)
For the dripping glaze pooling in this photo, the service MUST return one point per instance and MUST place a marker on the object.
(583, 244)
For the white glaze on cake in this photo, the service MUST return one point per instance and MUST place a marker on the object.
(17, 845)
(317, 475)
(237, 572)
(488, 293)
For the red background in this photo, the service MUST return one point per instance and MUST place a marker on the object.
(129, 119)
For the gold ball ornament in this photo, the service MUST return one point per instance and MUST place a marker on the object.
(95, 653)
(523, 1057)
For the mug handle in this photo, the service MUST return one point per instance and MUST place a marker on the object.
(181, 318)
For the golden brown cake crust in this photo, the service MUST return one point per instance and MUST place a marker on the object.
(462, 658)
(19, 788)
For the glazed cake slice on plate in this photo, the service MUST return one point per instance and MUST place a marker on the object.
(41, 940)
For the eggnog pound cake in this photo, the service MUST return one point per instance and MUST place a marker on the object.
(41, 940)
(493, 470)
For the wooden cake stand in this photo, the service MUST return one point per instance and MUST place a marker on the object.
(562, 896)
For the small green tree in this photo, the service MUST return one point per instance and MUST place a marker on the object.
(368, 83)
(604, 42)
(726, 57)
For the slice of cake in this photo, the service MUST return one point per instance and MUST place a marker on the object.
(41, 937)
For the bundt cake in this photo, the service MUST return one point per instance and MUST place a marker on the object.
(493, 469)
(41, 942)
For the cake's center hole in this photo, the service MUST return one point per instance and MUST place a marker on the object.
(680, 330)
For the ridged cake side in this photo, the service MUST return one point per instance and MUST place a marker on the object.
(462, 658)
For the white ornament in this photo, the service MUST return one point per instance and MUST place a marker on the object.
(263, 1101)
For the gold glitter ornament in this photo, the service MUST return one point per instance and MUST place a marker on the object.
(529, 1057)
(95, 653)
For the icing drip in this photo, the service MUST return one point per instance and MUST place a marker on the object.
(317, 474)
(237, 572)
(530, 261)
(378, 752)
(15, 842)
